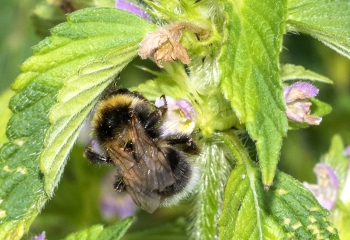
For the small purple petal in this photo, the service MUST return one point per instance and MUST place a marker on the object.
(327, 186)
(120, 206)
(112, 203)
(317, 192)
(187, 108)
(326, 175)
(171, 102)
(129, 7)
(297, 110)
(180, 117)
(41, 236)
(299, 90)
(347, 151)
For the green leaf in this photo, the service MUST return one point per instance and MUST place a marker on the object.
(5, 114)
(116, 231)
(250, 77)
(83, 56)
(46, 16)
(319, 108)
(341, 219)
(215, 168)
(90, 233)
(293, 72)
(173, 81)
(327, 21)
(97, 232)
(286, 211)
(172, 231)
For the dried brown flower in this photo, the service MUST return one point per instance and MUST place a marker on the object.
(164, 43)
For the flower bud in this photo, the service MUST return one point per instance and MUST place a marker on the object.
(298, 106)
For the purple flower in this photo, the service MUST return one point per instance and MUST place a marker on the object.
(40, 237)
(180, 117)
(347, 151)
(112, 203)
(298, 106)
(326, 189)
(129, 7)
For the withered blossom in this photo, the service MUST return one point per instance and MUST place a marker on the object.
(164, 45)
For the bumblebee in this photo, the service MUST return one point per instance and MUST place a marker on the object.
(154, 169)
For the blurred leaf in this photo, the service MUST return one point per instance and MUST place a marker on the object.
(173, 231)
(16, 39)
(85, 54)
(90, 233)
(336, 160)
(319, 108)
(327, 21)
(5, 114)
(74, 206)
(116, 231)
(250, 76)
(286, 211)
(49, 13)
(340, 165)
(97, 232)
(46, 16)
(341, 219)
(293, 72)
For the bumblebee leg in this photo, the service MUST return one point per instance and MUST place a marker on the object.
(155, 116)
(119, 185)
(95, 157)
(189, 145)
(181, 140)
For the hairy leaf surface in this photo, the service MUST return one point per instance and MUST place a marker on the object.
(327, 21)
(58, 88)
(250, 77)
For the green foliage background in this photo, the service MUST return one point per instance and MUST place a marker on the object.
(67, 213)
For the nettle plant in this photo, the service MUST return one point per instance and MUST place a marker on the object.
(223, 58)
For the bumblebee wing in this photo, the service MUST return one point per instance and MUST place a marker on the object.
(147, 152)
(134, 176)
